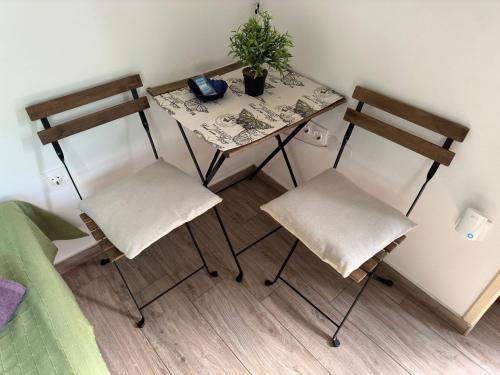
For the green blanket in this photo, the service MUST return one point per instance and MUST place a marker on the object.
(48, 334)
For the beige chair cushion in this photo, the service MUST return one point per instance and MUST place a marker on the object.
(341, 223)
(140, 209)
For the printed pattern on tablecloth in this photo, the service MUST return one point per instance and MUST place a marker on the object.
(238, 119)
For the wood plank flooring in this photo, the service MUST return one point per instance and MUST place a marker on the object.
(217, 326)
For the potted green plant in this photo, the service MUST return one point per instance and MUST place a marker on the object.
(259, 46)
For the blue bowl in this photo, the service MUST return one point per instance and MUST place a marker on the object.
(219, 85)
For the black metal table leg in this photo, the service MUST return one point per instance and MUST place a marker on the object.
(186, 141)
(211, 273)
(215, 164)
(212, 163)
(214, 167)
(239, 278)
(211, 173)
(287, 161)
(217, 161)
(278, 149)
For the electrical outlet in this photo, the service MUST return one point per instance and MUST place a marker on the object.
(313, 134)
(56, 177)
(56, 180)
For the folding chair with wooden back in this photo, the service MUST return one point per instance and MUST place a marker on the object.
(134, 212)
(342, 224)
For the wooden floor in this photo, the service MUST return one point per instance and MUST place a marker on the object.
(217, 326)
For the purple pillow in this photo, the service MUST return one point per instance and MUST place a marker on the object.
(11, 294)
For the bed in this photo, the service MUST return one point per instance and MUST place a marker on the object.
(48, 333)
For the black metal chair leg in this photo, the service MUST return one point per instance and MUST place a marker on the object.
(239, 278)
(211, 273)
(269, 282)
(386, 282)
(142, 321)
(104, 261)
(335, 340)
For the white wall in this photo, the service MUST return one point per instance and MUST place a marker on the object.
(443, 56)
(50, 48)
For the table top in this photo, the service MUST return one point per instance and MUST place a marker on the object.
(239, 120)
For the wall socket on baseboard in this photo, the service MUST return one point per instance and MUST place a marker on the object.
(316, 135)
(56, 178)
(313, 134)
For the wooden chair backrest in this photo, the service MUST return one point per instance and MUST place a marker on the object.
(51, 107)
(440, 154)
(451, 130)
(49, 134)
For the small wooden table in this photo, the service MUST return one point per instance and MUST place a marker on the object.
(238, 121)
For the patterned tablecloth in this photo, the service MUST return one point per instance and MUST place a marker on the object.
(238, 119)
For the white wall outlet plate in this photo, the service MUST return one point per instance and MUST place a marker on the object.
(313, 134)
(56, 178)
